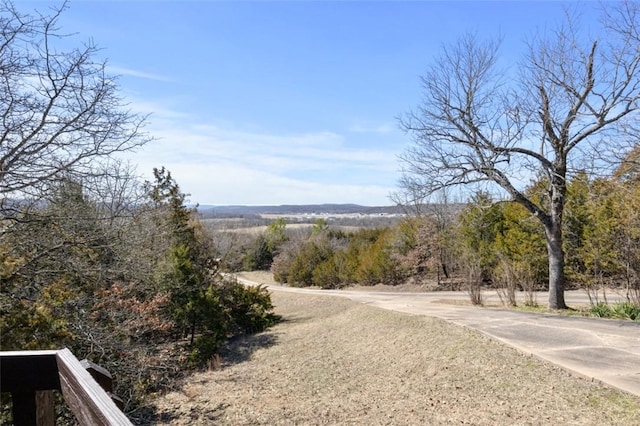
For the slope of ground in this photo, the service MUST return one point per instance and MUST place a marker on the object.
(333, 361)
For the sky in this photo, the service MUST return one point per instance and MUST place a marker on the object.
(284, 102)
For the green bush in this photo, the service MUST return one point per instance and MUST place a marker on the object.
(376, 261)
(601, 310)
(333, 259)
(627, 310)
(230, 309)
(249, 308)
(204, 348)
(332, 273)
(311, 254)
(623, 310)
(259, 256)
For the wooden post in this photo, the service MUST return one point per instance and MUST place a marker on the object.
(104, 379)
(33, 408)
(45, 414)
(99, 374)
(31, 377)
(87, 400)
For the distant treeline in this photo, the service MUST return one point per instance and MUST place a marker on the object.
(486, 243)
(208, 211)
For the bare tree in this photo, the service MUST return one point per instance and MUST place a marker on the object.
(479, 123)
(60, 111)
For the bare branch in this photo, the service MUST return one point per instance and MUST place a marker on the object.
(478, 124)
(61, 114)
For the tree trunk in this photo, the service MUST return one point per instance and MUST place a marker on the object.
(556, 265)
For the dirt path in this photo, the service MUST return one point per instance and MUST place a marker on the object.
(334, 361)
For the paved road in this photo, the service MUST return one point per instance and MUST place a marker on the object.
(600, 349)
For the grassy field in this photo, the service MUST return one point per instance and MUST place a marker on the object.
(332, 361)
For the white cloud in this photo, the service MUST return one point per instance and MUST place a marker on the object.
(229, 164)
(159, 115)
(136, 73)
(228, 184)
(207, 144)
(368, 128)
(221, 166)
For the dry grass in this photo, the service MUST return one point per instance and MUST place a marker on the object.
(333, 361)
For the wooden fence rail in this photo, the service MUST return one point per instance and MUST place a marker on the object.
(32, 376)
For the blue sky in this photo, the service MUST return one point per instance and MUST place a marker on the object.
(273, 102)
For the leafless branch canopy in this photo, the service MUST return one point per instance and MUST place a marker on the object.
(480, 123)
(61, 113)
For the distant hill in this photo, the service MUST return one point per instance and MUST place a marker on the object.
(209, 210)
(238, 210)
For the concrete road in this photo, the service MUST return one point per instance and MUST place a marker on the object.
(599, 349)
